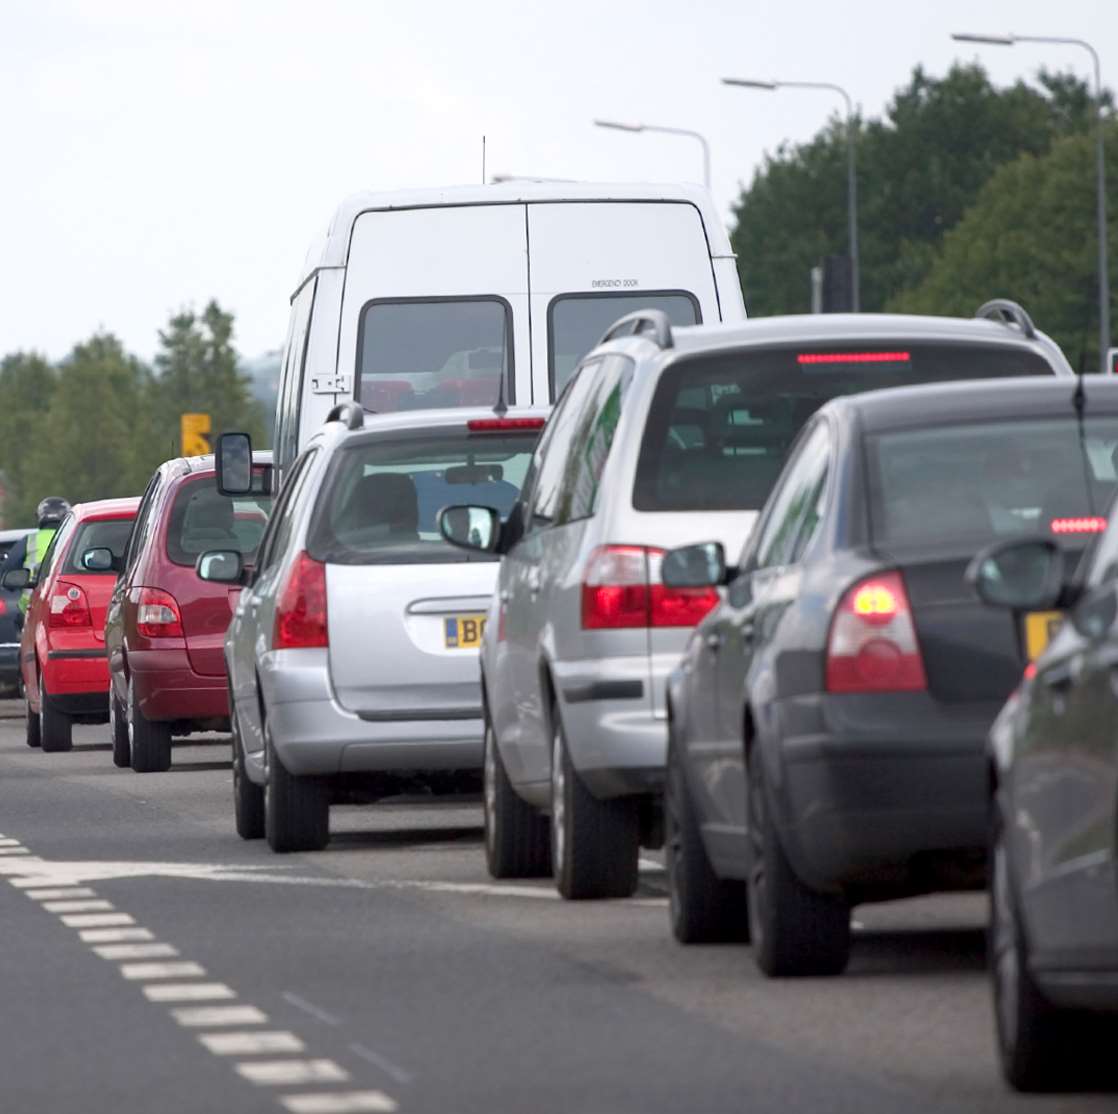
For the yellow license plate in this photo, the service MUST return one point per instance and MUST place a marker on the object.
(463, 632)
(1040, 629)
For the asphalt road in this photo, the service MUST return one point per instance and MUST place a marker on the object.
(153, 961)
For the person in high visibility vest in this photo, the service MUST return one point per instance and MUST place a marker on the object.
(49, 514)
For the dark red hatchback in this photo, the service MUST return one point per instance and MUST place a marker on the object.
(166, 627)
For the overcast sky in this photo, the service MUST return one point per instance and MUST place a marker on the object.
(159, 154)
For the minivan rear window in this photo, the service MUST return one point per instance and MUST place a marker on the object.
(380, 502)
(427, 353)
(992, 480)
(577, 322)
(109, 533)
(720, 427)
(203, 519)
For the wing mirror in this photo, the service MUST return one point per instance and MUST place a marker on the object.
(695, 566)
(233, 461)
(471, 527)
(15, 579)
(221, 566)
(100, 559)
(1023, 575)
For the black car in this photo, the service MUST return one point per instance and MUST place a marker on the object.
(828, 720)
(1053, 949)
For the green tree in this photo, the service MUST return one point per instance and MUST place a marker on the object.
(919, 169)
(1031, 236)
(26, 386)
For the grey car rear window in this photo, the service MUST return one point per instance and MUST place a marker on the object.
(720, 427)
(380, 501)
(109, 533)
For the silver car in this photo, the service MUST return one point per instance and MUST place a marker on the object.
(353, 648)
(663, 437)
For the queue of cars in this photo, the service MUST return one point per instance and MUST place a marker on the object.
(758, 593)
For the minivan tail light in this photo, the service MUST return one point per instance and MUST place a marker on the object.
(621, 588)
(158, 614)
(68, 607)
(872, 645)
(301, 610)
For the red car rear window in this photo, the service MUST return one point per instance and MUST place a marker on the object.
(203, 519)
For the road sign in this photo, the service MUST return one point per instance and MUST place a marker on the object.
(195, 434)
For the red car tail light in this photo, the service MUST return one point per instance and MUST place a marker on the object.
(157, 614)
(872, 645)
(621, 588)
(68, 607)
(301, 609)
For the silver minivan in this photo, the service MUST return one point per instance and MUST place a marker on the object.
(352, 654)
(663, 437)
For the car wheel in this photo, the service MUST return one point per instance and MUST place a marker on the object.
(795, 930)
(56, 729)
(595, 845)
(149, 741)
(118, 731)
(248, 797)
(296, 809)
(703, 907)
(32, 724)
(517, 837)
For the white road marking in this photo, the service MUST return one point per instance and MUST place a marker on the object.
(78, 906)
(355, 1102)
(188, 991)
(386, 1066)
(21, 866)
(96, 920)
(245, 1044)
(311, 1008)
(50, 895)
(33, 880)
(210, 1016)
(182, 970)
(5, 842)
(136, 951)
(114, 935)
(281, 1073)
(14, 851)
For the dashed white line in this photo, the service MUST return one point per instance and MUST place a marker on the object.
(182, 970)
(78, 906)
(245, 1044)
(136, 951)
(353, 1102)
(60, 892)
(188, 992)
(385, 1065)
(282, 1073)
(210, 1016)
(6, 842)
(114, 935)
(14, 851)
(311, 1008)
(96, 920)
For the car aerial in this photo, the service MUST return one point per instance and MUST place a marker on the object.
(829, 718)
(663, 436)
(352, 654)
(62, 649)
(10, 615)
(165, 626)
(1052, 776)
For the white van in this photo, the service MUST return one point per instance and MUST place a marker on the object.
(434, 298)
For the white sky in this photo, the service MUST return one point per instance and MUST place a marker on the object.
(158, 154)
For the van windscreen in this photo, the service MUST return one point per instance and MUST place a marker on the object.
(577, 322)
(720, 427)
(427, 353)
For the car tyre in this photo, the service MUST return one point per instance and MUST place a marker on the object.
(56, 728)
(795, 930)
(703, 908)
(296, 809)
(32, 724)
(149, 741)
(595, 844)
(118, 731)
(517, 837)
(248, 797)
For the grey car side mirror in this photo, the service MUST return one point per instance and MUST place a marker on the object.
(14, 579)
(99, 559)
(471, 527)
(1025, 574)
(233, 462)
(694, 566)
(221, 566)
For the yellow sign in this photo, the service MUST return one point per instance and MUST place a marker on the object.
(196, 435)
(1040, 629)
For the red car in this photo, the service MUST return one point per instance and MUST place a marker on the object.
(62, 651)
(165, 630)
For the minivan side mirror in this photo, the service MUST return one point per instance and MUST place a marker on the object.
(695, 566)
(100, 559)
(14, 579)
(221, 566)
(471, 527)
(1025, 574)
(233, 461)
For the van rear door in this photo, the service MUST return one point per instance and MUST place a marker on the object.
(435, 304)
(592, 262)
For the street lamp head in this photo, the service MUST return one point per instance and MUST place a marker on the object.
(989, 40)
(745, 83)
(619, 126)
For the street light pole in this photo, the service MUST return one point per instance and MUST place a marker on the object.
(621, 127)
(1100, 166)
(851, 167)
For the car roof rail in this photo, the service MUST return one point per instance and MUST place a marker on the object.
(1008, 313)
(349, 413)
(651, 323)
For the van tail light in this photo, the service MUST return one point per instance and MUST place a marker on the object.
(621, 588)
(158, 614)
(301, 610)
(68, 607)
(872, 645)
